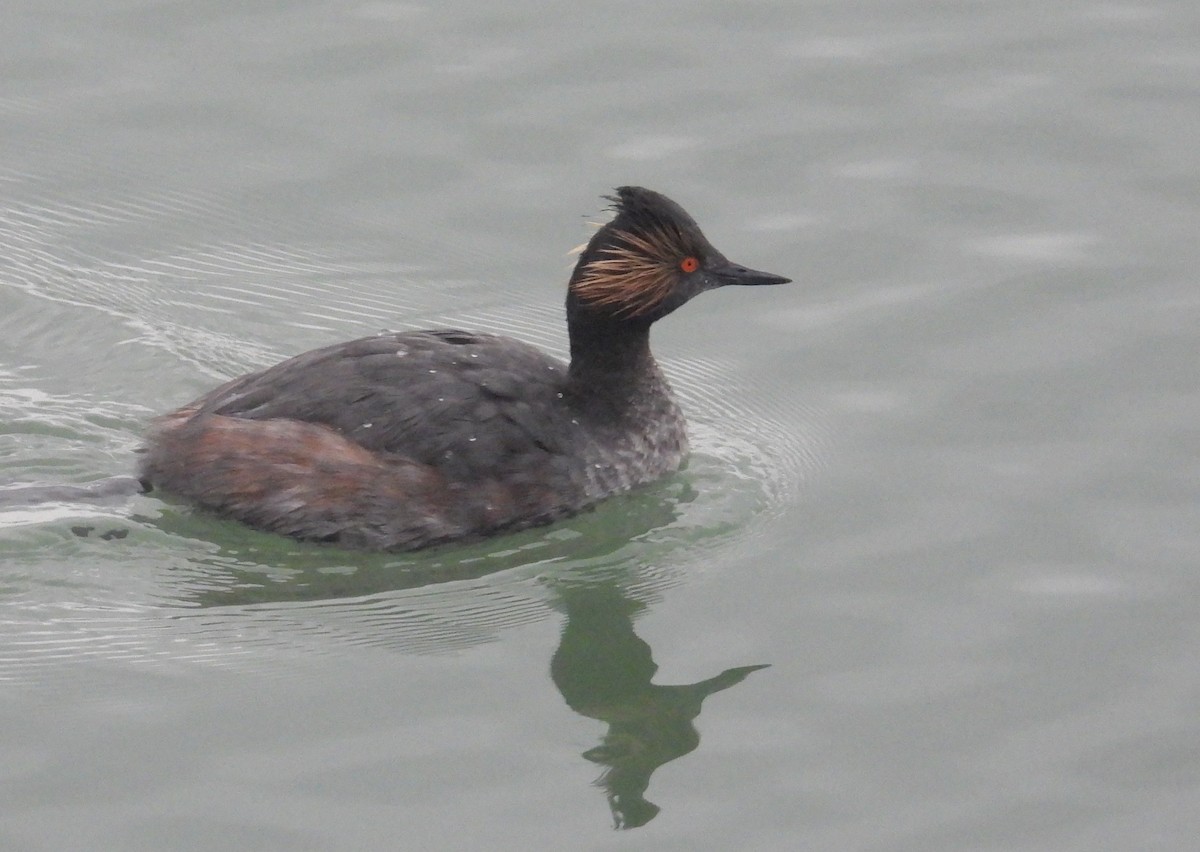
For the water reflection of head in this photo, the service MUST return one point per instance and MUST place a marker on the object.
(604, 670)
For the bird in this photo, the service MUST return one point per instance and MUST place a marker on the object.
(405, 440)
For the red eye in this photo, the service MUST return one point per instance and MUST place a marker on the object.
(689, 264)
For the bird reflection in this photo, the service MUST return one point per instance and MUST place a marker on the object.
(250, 567)
(604, 670)
(601, 667)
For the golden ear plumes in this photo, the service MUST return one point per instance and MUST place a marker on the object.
(635, 275)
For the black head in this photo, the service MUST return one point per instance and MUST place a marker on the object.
(649, 260)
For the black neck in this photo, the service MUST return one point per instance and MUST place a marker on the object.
(612, 375)
(616, 349)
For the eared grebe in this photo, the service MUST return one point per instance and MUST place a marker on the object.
(405, 440)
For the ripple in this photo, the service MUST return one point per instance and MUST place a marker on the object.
(1064, 247)
(62, 437)
(63, 252)
(650, 148)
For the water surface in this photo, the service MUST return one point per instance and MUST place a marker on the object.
(928, 582)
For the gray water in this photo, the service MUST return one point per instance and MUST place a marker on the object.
(945, 485)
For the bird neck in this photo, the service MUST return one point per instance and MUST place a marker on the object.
(610, 356)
